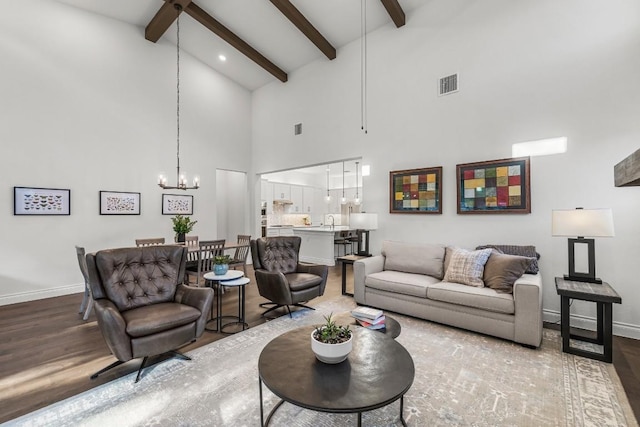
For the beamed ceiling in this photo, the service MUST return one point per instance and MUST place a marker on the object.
(263, 40)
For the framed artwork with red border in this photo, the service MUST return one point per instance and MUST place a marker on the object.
(417, 191)
(494, 187)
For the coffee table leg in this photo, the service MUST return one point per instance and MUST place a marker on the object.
(404, 423)
(261, 409)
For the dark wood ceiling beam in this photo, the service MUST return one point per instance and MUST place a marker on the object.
(303, 24)
(164, 18)
(227, 35)
(395, 11)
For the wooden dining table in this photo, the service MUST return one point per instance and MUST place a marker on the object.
(227, 245)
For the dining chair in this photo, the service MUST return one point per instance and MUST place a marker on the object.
(242, 251)
(150, 242)
(87, 300)
(207, 249)
(191, 242)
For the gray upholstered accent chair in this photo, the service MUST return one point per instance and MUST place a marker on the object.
(143, 309)
(281, 277)
(87, 299)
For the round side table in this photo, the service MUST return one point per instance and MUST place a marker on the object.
(215, 282)
(240, 284)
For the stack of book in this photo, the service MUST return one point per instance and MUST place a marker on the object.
(370, 318)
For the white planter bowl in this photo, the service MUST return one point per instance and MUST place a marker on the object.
(331, 353)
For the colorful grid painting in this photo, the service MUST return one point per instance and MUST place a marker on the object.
(497, 186)
(416, 191)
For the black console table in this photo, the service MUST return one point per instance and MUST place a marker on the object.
(604, 296)
(347, 259)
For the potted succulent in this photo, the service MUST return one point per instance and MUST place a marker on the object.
(330, 342)
(221, 264)
(182, 225)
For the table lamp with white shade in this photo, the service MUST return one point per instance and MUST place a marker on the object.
(363, 222)
(577, 224)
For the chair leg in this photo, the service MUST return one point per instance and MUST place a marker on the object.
(103, 370)
(303, 306)
(87, 312)
(276, 306)
(142, 365)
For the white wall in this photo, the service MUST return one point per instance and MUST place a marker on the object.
(528, 70)
(88, 104)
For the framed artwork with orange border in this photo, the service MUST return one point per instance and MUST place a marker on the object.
(416, 191)
(494, 187)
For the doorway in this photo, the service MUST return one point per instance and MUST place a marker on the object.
(231, 204)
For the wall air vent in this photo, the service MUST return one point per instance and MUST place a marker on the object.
(297, 129)
(448, 85)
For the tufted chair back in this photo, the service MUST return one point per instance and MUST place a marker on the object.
(135, 277)
(278, 253)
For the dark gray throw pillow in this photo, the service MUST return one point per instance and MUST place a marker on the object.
(502, 270)
(525, 251)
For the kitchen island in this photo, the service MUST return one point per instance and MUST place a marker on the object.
(317, 243)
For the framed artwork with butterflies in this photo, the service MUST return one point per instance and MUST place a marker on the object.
(41, 201)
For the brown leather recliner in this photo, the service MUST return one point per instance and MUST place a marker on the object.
(143, 309)
(281, 278)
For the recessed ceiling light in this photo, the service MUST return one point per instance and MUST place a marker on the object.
(222, 57)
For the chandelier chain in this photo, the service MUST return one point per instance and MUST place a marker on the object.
(181, 180)
(178, 95)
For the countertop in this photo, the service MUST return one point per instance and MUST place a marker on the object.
(321, 228)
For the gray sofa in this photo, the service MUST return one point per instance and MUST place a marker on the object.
(408, 278)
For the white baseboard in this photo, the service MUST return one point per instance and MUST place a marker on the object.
(41, 294)
(585, 322)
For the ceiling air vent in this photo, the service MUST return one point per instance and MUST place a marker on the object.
(297, 129)
(448, 85)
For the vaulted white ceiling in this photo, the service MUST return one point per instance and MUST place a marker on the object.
(260, 24)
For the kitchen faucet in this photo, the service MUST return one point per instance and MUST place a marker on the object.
(333, 221)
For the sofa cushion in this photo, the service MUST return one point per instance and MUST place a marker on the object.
(470, 296)
(152, 319)
(526, 251)
(414, 258)
(502, 270)
(400, 282)
(467, 267)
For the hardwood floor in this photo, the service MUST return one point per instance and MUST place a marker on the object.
(47, 352)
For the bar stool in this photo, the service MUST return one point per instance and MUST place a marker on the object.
(342, 240)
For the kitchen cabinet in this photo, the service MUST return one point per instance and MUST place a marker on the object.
(281, 191)
(296, 197)
(308, 200)
(279, 231)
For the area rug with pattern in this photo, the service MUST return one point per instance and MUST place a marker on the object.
(462, 379)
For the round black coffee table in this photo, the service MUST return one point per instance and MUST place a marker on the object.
(377, 372)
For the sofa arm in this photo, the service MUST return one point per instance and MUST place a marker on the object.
(527, 298)
(198, 298)
(113, 328)
(361, 269)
